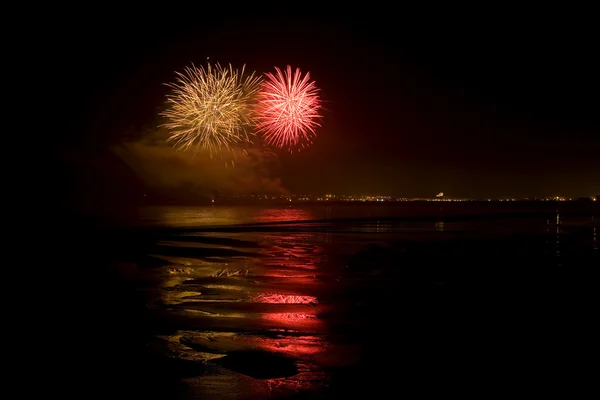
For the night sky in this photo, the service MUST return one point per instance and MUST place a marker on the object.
(474, 109)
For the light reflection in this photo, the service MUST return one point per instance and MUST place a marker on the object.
(292, 254)
(309, 351)
(274, 290)
(276, 298)
(287, 214)
(178, 216)
(383, 227)
(558, 237)
(439, 226)
(287, 316)
(292, 346)
(294, 261)
(195, 216)
(223, 287)
(303, 382)
(296, 322)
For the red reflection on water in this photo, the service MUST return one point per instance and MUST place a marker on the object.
(290, 253)
(307, 350)
(276, 298)
(287, 214)
(287, 316)
(297, 322)
(294, 347)
(306, 382)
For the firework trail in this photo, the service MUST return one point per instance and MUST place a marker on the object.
(210, 108)
(287, 109)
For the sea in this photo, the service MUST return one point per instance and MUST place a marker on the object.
(330, 301)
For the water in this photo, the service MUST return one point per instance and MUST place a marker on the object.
(222, 215)
(332, 301)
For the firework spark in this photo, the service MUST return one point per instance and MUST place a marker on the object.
(211, 108)
(288, 109)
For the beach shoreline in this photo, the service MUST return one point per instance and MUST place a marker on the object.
(461, 293)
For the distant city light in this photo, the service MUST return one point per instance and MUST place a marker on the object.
(336, 198)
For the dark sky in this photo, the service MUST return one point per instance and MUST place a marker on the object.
(492, 108)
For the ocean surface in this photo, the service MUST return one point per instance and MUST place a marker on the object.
(334, 301)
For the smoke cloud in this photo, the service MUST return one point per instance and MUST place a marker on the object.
(165, 169)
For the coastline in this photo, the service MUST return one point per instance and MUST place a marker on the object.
(103, 319)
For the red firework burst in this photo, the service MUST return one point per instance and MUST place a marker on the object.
(288, 108)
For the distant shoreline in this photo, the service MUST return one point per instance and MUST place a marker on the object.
(273, 210)
(271, 202)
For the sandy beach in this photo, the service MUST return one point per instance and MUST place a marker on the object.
(324, 308)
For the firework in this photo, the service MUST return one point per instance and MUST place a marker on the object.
(210, 108)
(287, 109)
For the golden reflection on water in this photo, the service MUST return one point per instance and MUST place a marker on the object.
(195, 216)
(439, 226)
(269, 297)
(178, 216)
(274, 303)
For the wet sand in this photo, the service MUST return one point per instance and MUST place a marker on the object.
(346, 307)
